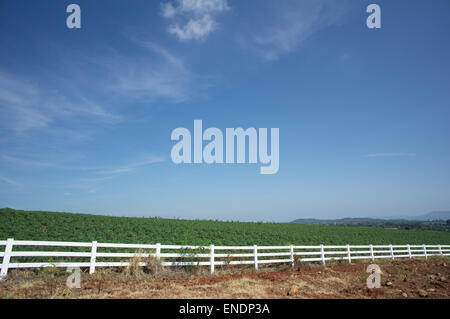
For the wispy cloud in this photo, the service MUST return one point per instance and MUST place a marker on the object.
(106, 170)
(193, 19)
(9, 181)
(149, 74)
(24, 105)
(26, 162)
(154, 73)
(291, 22)
(397, 154)
(132, 166)
(100, 175)
(90, 179)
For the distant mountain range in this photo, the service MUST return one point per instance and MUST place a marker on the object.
(436, 215)
(433, 216)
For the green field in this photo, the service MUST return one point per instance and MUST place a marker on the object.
(28, 225)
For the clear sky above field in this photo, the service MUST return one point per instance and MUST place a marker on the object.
(86, 114)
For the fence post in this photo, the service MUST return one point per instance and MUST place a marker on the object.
(322, 254)
(255, 256)
(425, 251)
(371, 253)
(158, 251)
(440, 250)
(292, 255)
(409, 251)
(93, 253)
(392, 251)
(349, 256)
(211, 258)
(6, 258)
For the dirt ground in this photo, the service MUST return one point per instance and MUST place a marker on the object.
(399, 279)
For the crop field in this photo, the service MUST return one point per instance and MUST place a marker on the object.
(30, 225)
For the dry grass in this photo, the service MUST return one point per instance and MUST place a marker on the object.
(142, 267)
(134, 268)
(244, 288)
(154, 267)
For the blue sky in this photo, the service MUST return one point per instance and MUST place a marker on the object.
(86, 115)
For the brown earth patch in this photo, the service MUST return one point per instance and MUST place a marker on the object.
(416, 278)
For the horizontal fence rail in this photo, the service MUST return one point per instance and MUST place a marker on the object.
(91, 255)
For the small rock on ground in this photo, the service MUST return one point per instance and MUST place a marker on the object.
(422, 293)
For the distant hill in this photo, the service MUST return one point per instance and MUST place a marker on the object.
(433, 216)
(343, 221)
(431, 221)
(442, 215)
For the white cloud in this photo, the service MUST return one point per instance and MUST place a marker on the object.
(292, 22)
(193, 19)
(193, 7)
(195, 29)
(398, 154)
(168, 11)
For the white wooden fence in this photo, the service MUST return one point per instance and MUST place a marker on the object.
(92, 252)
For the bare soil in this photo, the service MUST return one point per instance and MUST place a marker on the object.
(406, 278)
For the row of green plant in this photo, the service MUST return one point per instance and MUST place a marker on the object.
(30, 225)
